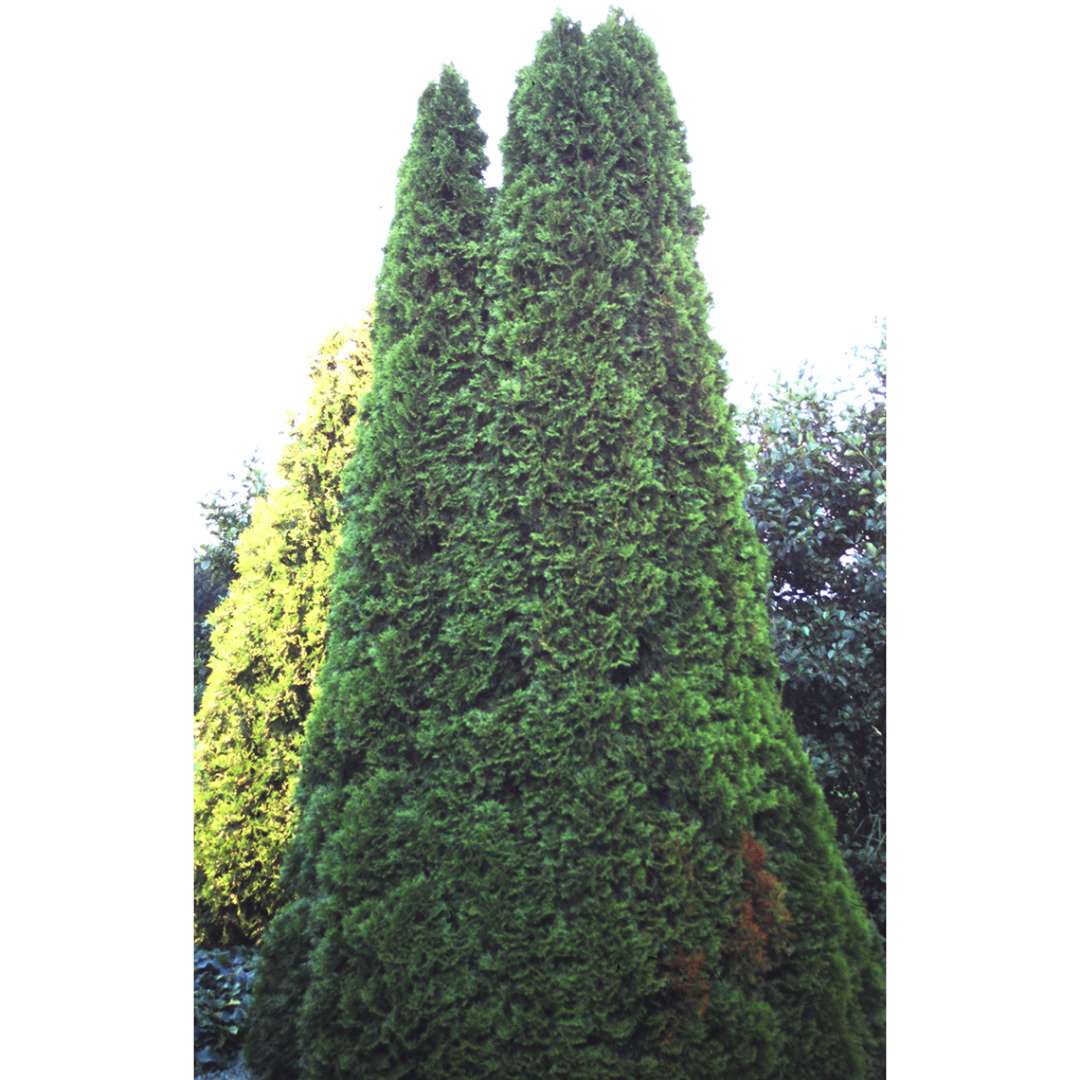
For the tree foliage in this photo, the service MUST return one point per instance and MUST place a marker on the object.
(819, 503)
(356, 871)
(268, 642)
(227, 514)
(553, 818)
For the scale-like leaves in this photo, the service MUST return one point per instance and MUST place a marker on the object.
(268, 641)
(553, 819)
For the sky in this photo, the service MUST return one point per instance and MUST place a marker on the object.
(301, 119)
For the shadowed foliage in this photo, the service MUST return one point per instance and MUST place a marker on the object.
(818, 498)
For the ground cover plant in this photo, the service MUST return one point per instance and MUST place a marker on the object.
(223, 980)
(553, 817)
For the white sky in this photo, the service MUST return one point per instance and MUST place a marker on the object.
(301, 120)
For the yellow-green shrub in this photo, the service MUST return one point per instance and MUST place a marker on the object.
(267, 644)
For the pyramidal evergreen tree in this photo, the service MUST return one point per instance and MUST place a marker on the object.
(553, 819)
(268, 641)
(357, 866)
(671, 899)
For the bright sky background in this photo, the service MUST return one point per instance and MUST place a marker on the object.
(302, 117)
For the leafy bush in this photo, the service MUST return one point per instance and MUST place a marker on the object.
(223, 979)
(818, 499)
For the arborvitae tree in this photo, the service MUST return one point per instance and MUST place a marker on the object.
(664, 894)
(268, 642)
(356, 867)
(554, 819)
(227, 514)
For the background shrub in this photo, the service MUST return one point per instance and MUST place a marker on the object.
(268, 641)
(818, 499)
(227, 514)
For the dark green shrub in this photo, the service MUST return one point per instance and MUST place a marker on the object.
(396, 660)
(268, 642)
(818, 498)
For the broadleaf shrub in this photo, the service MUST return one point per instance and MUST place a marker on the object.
(223, 980)
(818, 499)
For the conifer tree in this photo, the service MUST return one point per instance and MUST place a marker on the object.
(391, 667)
(226, 515)
(671, 896)
(267, 645)
(554, 821)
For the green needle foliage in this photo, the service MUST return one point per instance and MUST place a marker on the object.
(667, 897)
(268, 642)
(554, 820)
(358, 865)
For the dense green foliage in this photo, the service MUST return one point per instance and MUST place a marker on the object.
(268, 642)
(356, 867)
(819, 503)
(554, 820)
(227, 514)
(223, 980)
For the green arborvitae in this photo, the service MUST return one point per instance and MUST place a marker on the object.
(268, 642)
(554, 819)
(391, 662)
(671, 896)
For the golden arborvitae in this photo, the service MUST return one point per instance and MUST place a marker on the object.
(268, 642)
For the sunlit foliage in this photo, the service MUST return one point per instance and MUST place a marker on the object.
(268, 642)
(226, 514)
